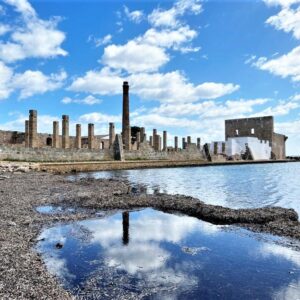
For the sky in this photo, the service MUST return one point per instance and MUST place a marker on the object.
(190, 64)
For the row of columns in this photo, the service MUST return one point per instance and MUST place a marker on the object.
(31, 136)
(155, 141)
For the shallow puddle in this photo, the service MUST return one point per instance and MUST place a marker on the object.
(153, 255)
(50, 209)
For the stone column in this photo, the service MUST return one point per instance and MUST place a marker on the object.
(183, 143)
(126, 130)
(142, 134)
(159, 143)
(91, 137)
(199, 143)
(55, 137)
(176, 143)
(26, 133)
(189, 140)
(154, 133)
(138, 137)
(78, 136)
(156, 142)
(145, 137)
(215, 148)
(32, 126)
(151, 141)
(112, 134)
(65, 132)
(165, 141)
(223, 147)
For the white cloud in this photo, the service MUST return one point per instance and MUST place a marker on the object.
(174, 87)
(103, 82)
(168, 38)
(89, 100)
(155, 120)
(135, 16)
(287, 65)
(23, 7)
(284, 3)
(33, 38)
(134, 57)
(100, 41)
(6, 75)
(4, 29)
(98, 118)
(287, 20)
(281, 109)
(170, 17)
(168, 87)
(31, 82)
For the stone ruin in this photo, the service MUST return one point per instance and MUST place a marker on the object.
(131, 144)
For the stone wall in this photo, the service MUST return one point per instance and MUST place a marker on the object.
(146, 152)
(53, 155)
(261, 127)
(12, 137)
(45, 140)
(278, 146)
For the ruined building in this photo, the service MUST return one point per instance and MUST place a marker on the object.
(261, 128)
(251, 138)
(59, 145)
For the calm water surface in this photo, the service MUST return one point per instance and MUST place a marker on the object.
(153, 255)
(238, 186)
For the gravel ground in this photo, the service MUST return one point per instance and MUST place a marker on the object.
(22, 273)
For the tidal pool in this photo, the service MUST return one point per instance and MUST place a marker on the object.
(234, 186)
(148, 254)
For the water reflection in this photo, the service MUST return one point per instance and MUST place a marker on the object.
(125, 216)
(152, 254)
(237, 186)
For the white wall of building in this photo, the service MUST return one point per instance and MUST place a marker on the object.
(259, 149)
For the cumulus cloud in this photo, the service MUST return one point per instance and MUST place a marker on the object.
(32, 36)
(284, 3)
(32, 83)
(287, 65)
(134, 57)
(6, 75)
(99, 118)
(4, 29)
(168, 38)
(171, 17)
(167, 87)
(28, 83)
(89, 100)
(135, 16)
(287, 20)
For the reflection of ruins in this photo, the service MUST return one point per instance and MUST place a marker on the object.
(125, 218)
(251, 138)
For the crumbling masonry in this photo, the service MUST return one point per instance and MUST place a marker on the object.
(131, 144)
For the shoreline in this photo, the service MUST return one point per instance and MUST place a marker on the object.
(74, 167)
(20, 223)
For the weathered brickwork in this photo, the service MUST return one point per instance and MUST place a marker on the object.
(53, 155)
(262, 128)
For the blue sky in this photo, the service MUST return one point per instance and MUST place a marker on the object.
(190, 64)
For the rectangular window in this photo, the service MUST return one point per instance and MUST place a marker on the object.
(252, 131)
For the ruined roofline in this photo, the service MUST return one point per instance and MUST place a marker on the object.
(250, 118)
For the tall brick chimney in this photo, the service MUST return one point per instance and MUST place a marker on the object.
(126, 130)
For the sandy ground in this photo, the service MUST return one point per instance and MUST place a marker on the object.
(22, 272)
